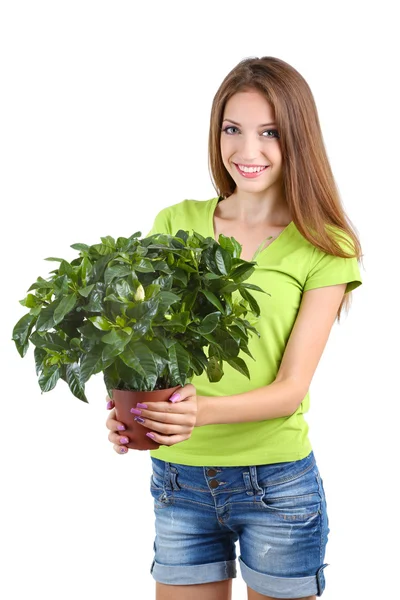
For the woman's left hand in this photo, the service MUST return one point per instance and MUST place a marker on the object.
(172, 421)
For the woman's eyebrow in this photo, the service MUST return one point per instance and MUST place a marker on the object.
(262, 125)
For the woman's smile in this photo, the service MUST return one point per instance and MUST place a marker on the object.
(251, 171)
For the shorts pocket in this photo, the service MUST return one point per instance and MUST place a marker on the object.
(297, 499)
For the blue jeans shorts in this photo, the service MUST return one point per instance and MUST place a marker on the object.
(276, 513)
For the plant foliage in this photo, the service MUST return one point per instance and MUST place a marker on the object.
(148, 313)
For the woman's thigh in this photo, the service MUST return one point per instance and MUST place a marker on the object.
(219, 590)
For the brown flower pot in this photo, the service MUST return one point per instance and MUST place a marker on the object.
(124, 401)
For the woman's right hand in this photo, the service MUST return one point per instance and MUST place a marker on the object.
(116, 435)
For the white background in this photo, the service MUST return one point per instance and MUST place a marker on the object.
(104, 110)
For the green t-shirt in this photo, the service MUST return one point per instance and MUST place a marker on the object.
(285, 269)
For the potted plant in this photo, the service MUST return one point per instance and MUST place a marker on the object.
(148, 313)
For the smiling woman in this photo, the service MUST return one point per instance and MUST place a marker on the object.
(243, 470)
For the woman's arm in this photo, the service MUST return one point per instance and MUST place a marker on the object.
(173, 421)
(304, 349)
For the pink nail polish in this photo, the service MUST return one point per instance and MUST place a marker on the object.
(109, 404)
(135, 411)
(121, 427)
(175, 397)
(140, 405)
(151, 435)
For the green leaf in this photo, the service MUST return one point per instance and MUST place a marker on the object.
(137, 356)
(116, 271)
(65, 306)
(111, 378)
(213, 299)
(250, 286)
(98, 268)
(230, 348)
(49, 378)
(81, 247)
(253, 303)
(21, 333)
(88, 330)
(167, 299)
(86, 267)
(229, 288)
(39, 355)
(46, 317)
(145, 310)
(101, 323)
(242, 272)
(116, 337)
(123, 290)
(239, 364)
(66, 269)
(49, 341)
(103, 249)
(91, 363)
(157, 347)
(31, 301)
(73, 378)
(108, 241)
(41, 284)
(144, 266)
(214, 369)
(151, 291)
(209, 323)
(179, 364)
(223, 260)
(95, 303)
(177, 323)
(52, 258)
(86, 290)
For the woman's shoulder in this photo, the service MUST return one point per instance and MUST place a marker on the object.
(186, 214)
(192, 206)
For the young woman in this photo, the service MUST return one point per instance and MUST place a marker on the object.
(235, 462)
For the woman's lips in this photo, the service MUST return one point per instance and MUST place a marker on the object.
(251, 175)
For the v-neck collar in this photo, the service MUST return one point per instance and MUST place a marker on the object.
(258, 252)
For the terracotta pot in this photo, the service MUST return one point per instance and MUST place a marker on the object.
(124, 401)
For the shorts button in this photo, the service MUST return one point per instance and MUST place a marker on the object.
(211, 472)
(214, 483)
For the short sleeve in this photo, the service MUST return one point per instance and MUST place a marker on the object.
(327, 269)
(162, 223)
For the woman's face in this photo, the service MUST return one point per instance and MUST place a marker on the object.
(250, 145)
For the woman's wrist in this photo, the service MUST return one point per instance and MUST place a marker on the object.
(202, 410)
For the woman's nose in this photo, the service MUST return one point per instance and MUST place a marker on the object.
(250, 149)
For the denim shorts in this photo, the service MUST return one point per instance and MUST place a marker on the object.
(276, 513)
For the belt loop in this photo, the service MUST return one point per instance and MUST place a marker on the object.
(254, 481)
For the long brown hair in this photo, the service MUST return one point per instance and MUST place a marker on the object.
(308, 183)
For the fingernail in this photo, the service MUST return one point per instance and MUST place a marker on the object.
(151, 435)
(121, 427)
(123, 440)
(139, 419)
(123, 450)
(174, 397)
(135, 411)
(140, 405)
(109, 404)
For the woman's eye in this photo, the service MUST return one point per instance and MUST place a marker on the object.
(272, 131)
(230, 130)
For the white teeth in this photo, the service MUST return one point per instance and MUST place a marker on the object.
(251, 169)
